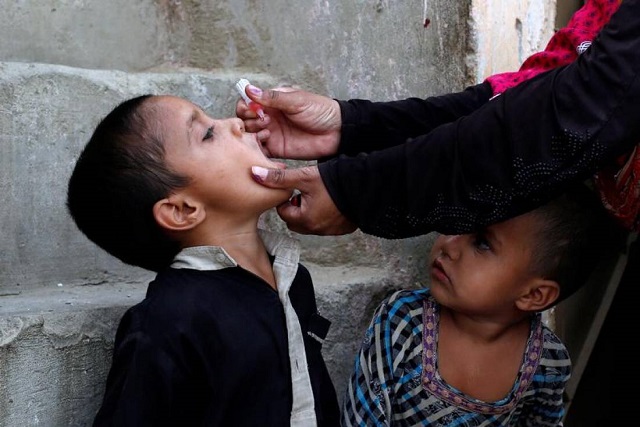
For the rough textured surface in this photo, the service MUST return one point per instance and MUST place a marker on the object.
(525, 27)
(373, 48)
(89, 33)
(55, 342)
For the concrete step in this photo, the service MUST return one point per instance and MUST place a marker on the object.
(56, 341)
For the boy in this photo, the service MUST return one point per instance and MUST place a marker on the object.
(225, 335)
(471, 349)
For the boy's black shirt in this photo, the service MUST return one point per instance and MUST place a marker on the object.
(210, 348)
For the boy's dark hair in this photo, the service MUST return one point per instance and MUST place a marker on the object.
(575, 232)
(119, 176)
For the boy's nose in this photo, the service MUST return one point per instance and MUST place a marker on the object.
(236, 125)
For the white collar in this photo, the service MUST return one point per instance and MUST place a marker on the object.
(285, 267)
(279, 245)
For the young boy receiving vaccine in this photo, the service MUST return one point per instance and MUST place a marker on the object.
(226, 335)
(471, 350)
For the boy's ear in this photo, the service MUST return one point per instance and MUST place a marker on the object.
(541, 294)
(178, 213)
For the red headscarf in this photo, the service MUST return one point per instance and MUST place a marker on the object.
(619, 182)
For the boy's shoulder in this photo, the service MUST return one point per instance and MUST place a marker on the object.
(176, 294)
(188, 283)
(180, 300)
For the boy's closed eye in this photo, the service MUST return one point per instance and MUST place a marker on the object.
(208, 134)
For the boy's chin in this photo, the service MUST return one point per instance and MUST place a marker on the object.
(283, 196)
(273, 196)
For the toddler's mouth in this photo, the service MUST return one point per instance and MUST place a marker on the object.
(438, 271)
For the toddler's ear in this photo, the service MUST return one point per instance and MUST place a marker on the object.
(178, 213)
(539, 295)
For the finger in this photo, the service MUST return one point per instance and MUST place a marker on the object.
(243, 111)
(299, 217)
(295, 213)
(263, 134)
(264, 145)
(288, 179)
(296, 199)
(253, 122)
(291, 213)
(285, 99)
(281, 165)
(256, 124)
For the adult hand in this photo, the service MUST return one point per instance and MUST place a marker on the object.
(297, 124)
(313, 210)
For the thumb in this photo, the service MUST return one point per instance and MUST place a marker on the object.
(287, 179)
(285, 99)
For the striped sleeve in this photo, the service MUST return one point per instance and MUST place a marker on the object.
(546, 408)
(367, 402)
(380, 373)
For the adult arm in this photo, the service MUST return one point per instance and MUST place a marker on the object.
(514, 153)
(308, 126)
(369, 126)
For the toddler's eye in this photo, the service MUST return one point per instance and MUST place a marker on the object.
(208, 134)
(481, 242)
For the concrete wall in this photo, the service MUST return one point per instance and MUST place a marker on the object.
(66, 63)
(352, 48)
(509, 31)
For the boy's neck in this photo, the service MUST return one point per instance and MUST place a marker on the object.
(243, 244)
(249, 252)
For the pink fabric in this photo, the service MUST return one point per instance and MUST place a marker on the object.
(619, 187)
(619, 182)
(565, 45)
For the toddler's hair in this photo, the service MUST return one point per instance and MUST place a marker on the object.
(574, 233)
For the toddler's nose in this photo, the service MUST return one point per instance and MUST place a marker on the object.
(450, 245)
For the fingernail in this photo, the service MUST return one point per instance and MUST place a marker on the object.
(254, 90)
(259, 173)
